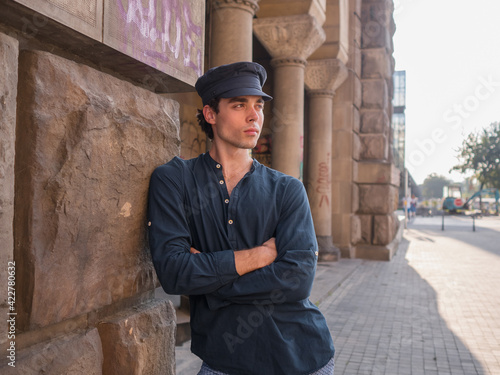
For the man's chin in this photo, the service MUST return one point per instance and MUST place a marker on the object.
(248, 146)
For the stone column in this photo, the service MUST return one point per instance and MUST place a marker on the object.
(231, 31)
(290, 40)
(322, 78)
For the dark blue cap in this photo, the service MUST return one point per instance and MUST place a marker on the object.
(231, 80)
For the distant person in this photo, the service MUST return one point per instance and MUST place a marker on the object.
(238, 238)
(413, 205)
(407, 206)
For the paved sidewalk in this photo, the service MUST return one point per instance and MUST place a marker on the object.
(434, 309)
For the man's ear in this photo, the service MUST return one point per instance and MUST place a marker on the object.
(209, 114)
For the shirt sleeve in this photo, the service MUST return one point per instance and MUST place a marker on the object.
(179, 271)
(290, 277)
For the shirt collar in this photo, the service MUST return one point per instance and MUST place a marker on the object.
(213, 164)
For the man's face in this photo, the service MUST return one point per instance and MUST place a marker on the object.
(239, 121)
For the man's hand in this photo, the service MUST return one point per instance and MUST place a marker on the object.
(258, 257)
(252, 259)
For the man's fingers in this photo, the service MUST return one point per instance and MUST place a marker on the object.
(194, 251)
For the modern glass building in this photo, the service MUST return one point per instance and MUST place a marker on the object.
(398, 119)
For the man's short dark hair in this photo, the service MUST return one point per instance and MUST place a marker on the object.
(205, 126)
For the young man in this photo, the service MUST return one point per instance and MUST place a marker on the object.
(238, 238)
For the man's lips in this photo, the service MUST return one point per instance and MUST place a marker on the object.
(252, 131)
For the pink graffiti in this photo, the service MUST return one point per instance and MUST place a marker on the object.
(324, 181)
(168, 22)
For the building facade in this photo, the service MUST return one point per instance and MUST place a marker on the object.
(94, 95)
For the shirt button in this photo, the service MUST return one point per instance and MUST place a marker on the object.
(226, 201)
(316, 253)
(230, 221)
(221, 182)
(218, 166)
(149, 223)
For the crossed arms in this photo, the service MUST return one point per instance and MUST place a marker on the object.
(284, 264)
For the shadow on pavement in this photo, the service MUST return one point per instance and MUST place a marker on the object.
(486, 236)
(385, 320)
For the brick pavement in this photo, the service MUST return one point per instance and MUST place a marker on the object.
(433, 310)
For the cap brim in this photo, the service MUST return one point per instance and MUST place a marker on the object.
(243, 91)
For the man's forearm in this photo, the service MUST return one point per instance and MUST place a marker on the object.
(252, 259)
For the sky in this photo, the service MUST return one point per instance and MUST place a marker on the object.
(450, 50)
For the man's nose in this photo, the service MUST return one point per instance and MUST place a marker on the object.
(253, 114)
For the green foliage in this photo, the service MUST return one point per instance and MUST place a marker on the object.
(433, 186)
(480, 154)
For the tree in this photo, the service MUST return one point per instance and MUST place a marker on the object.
(480, 154)
(433, 186)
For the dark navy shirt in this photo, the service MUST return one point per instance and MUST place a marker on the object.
(258, 323)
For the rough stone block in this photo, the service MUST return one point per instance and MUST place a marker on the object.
(374, 121)
(376, 19)
(356, 146)
(9, 51)
(140, 341)
(74, 354)
(374, 147)
(356, 120)
(378, 173)
(366, 222)
(377, 199)
(375, 94)
(356, 229)
(375, 35)
(384, 229)
(90, 142)
(376, 63)
(355, 196)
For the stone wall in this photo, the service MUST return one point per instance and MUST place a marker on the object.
(376, 176)
(85, 143)
(8, 92)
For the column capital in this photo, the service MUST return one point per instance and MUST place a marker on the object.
(250, 6)
(289, 38)
(323, 77)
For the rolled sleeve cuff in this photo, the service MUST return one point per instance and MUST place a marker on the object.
(226, 267)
